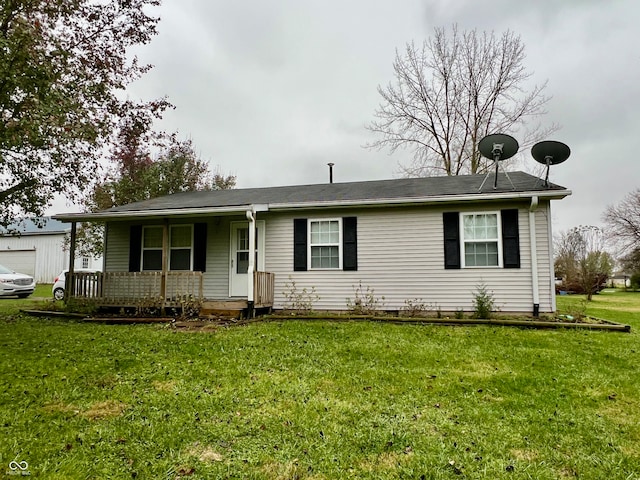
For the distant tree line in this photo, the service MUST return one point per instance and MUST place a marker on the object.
(582, 257)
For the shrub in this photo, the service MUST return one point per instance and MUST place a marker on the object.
(189, 306)
(483, 302)
(300, 301)
(416, 308)
(365, 301)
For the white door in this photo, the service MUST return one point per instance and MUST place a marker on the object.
(239, 261)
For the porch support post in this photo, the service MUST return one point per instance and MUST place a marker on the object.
(70, 289)
(251, 216)
(165, 262)
(534, 255)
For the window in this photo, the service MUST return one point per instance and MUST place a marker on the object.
(324, 243)
(85, 262)
(181, 240)
(487, 239)
(180, 247)
(152, 248)
(481, 238)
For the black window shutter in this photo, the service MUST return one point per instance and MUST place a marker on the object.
(451, 229)
(135, 247)
(299, 244)
(200, 247)
(510, 238)
(350, 243)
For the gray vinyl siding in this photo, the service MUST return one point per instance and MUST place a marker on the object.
(216, 278)
(401, 257)
(116, 258)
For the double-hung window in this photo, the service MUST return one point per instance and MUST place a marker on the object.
(152, 248)
(325, 244)
(181, 243)
(180, 247)
(481, 239)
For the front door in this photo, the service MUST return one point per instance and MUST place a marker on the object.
(239, 261)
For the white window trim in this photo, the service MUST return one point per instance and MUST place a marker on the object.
(309, 245)
(463, 241)
(142, 250)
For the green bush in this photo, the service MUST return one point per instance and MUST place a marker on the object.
(483, 302)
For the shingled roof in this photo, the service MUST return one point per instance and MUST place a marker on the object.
(403, 190)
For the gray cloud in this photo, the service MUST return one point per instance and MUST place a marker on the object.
(272, 91)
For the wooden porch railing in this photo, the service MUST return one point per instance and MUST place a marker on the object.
(123, 289)
(263, 289)
(135, 289)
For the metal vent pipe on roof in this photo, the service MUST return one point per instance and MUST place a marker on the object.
(330, 171)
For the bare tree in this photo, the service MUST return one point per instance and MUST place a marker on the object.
(582, 261)
(623, 222)
(452, 91)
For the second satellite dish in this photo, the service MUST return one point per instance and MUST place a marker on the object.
(550, 153)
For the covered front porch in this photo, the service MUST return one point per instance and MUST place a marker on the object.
(185, 261)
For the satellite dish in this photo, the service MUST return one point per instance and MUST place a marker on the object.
(498, 147)
(550, 153)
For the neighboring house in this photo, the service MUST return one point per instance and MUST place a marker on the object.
(38, 249)
(432, 239)
(619, 280)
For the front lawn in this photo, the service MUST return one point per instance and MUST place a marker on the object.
(321, 400)
(617, 305)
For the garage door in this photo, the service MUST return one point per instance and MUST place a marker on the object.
(23, 261)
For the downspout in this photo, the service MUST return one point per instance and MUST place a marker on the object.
(251, 216)
(552, 255)
(534, 255)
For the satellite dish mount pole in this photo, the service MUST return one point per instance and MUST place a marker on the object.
(497, 153)
(550, 153)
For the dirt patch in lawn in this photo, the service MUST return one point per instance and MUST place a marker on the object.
(102, 410)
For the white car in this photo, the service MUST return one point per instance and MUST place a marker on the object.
(59, 282)
(15, 284)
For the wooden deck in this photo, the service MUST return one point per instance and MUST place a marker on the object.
(157, 290)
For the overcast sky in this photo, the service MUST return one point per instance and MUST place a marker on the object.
(273, 91)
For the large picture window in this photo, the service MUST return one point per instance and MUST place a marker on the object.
(481, 240)
(324, 244)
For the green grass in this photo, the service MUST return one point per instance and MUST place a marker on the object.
(618, 305)
(41, 296)
(321, 400)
